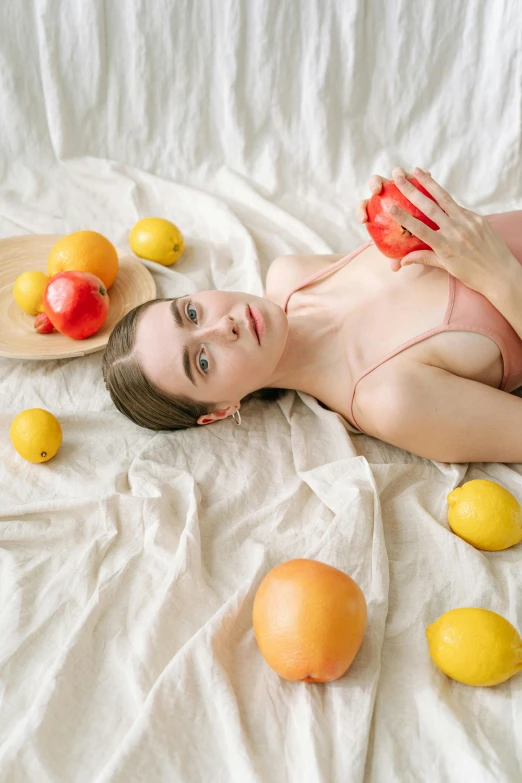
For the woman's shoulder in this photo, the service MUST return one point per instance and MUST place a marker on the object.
(287, 272)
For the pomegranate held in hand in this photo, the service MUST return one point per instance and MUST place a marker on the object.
(76, 303)
(392, 239)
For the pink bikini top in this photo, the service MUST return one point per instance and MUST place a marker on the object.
(467, 311)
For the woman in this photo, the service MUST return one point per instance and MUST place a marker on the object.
(419, 352)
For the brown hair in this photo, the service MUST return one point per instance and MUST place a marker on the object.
(139, 399)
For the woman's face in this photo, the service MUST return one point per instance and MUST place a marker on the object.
(222, 353)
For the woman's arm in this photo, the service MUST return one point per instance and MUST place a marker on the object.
(440, 416)
(466, 245)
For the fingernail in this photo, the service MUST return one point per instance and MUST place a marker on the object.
(394, 210)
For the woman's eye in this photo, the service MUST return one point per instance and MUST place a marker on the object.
(202, 359)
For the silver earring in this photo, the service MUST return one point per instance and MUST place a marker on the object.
(238, 420)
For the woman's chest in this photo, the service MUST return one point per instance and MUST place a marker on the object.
(375, 310)
(378, 312)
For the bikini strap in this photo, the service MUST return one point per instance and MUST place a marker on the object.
(329, 268)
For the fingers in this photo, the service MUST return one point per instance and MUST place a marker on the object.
(360, 211)
(437, 210)
(422, 257)
(441, 196)
(416, 227)
(375, 183)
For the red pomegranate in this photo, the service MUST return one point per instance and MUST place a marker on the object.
(42, 324)
(392, 239)
(76, 303)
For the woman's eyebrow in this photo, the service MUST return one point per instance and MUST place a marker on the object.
(178, 320)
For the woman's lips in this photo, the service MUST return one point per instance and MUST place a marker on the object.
(251, 323)
(259, 321)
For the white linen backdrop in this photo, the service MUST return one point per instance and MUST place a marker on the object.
(130, 561)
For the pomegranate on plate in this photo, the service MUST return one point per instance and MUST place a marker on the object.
(76, 303)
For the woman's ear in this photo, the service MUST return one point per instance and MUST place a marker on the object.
(219, 413)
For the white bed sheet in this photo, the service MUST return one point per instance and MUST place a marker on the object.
(129, 563)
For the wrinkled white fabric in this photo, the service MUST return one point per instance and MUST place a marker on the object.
(129, 562)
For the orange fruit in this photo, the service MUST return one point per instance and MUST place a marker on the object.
(84, 251)
(309, 620)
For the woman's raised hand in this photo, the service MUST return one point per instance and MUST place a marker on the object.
(465, 245)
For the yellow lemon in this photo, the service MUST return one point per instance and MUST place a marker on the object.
(156, 239)
(28, 291)
(485, 515)
(475, 646)
(84, 251)
(36, 434)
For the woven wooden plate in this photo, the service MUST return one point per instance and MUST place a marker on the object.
(18, 340)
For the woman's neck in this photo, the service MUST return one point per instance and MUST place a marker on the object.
(310, 354)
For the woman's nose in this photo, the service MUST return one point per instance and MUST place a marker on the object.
(225, 328)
